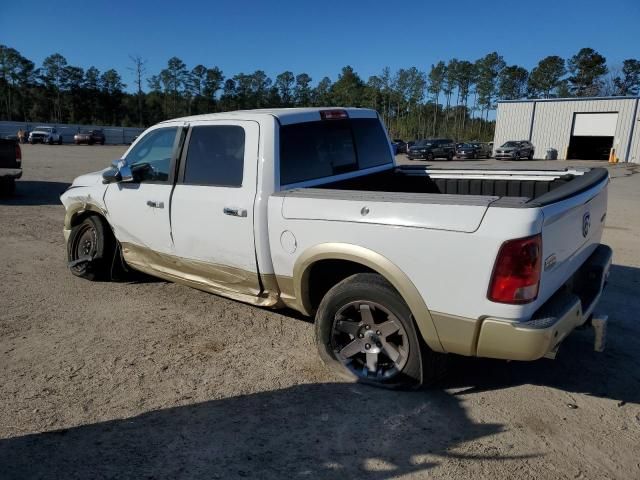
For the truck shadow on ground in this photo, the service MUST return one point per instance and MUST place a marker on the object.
(612, 374)
(334, 430)
(35, 192)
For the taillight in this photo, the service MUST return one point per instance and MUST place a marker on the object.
(516, 274)
(18, 152)
(333, 114)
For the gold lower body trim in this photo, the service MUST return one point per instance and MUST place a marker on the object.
(226, 281)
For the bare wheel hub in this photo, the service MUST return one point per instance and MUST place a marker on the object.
(85, 243)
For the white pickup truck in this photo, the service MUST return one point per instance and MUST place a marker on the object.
(49, 135)
(306, 208)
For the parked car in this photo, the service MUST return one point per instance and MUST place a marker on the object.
(10, 165)
(48, 135)
(433, 148)
(89, 136)
(473, 150)
(328, 225)
(399, 145)
(515, 150)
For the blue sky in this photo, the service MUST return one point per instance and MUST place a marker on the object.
(316, 37)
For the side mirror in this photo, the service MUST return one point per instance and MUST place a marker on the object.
(119, 172)
(111, 176)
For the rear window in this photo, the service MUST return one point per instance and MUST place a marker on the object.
(325, 148)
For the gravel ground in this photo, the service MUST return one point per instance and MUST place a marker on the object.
(152, 379)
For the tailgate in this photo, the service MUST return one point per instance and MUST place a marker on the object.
(571, 231)
(8, 154)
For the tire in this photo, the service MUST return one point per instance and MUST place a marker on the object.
(364, 302)
(530, 157)
(92, 238)
(475, 156)
(102, 142)
(60, 140)
(50, 141)
(517, 157)
(7, 187)
(429, 157)
(449, 157)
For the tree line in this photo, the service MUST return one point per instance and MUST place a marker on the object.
(452, 99)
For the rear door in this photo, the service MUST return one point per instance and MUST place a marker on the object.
(212, 205)
(437, 148)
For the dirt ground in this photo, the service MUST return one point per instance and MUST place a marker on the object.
(150, 379)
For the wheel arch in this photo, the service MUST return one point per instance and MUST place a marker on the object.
(77, 212)
(361, 259)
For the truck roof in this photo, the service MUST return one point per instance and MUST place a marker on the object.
(284, 115)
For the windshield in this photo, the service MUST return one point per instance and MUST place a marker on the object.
(313, 150)
(511, 144)
(44, 129)
(468, 145)
(423, 143)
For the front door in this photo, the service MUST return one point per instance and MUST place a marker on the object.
(139, 211)
(212, 206)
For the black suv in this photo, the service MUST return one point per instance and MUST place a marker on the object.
(432, 148)
(473, 150)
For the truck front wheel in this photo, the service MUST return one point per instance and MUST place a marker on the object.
(91, 249)
(365, 332)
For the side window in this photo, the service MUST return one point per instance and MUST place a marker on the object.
(215, 156)
(150, 159)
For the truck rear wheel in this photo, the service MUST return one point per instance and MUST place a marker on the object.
(365, 332)
(91, 249)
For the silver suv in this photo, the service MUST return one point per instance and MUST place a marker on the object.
(515, 150)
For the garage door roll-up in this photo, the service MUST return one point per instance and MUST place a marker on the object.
(595, 124)
(592, 135)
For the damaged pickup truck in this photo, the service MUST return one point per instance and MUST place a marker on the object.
(305, 208)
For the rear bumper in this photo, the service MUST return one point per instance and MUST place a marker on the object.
(569, 308)
(10, 173)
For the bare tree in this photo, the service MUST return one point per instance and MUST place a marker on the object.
(138, 70)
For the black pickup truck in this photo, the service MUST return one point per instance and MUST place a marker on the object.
(10, 165)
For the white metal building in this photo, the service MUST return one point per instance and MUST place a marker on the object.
(578, 128)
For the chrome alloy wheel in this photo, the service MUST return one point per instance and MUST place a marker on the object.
(369, 340)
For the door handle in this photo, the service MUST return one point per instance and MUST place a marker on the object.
(235, 212)
(153, 204)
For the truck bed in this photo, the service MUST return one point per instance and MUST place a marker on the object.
(407, 215)
(531, 188)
